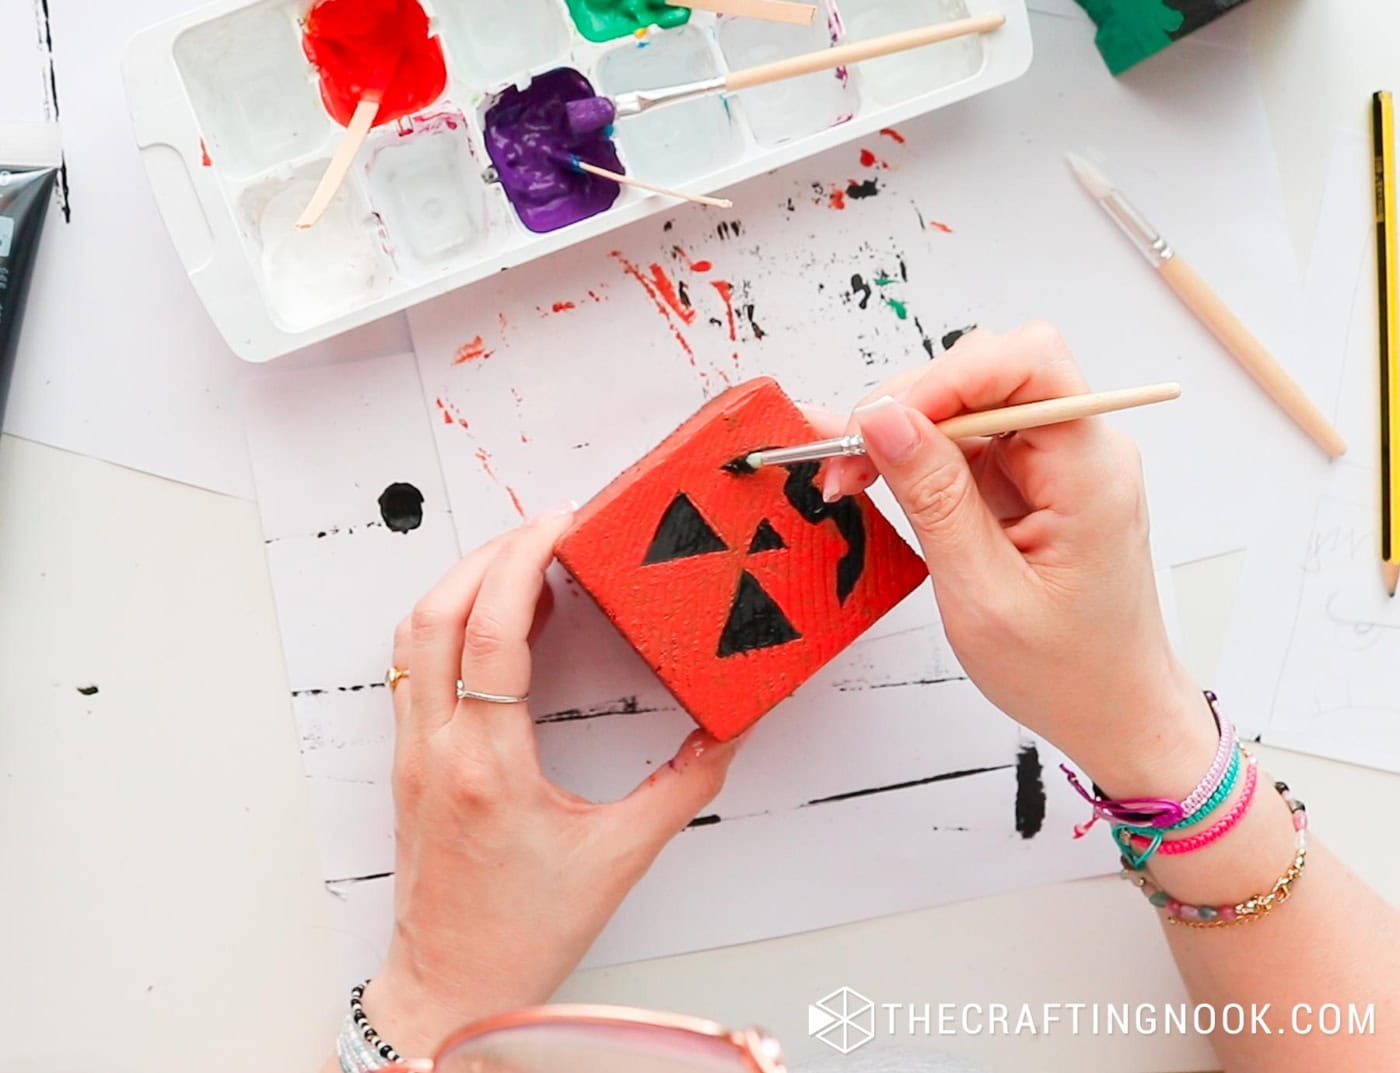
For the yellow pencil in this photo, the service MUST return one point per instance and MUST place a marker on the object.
(1387, 267)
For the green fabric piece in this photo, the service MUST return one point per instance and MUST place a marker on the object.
(606, 20)
(1131, 30)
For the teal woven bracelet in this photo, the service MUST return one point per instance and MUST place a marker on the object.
(1123, 833)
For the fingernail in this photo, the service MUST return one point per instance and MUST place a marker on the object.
(888, 430)
(554, 512)
(696, 744)
(831, 485)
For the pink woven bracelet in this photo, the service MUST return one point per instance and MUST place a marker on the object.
(1222, 826)
(1198, 797)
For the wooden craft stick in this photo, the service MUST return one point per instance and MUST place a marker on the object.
(844, 55)
(627, 180)
(771, 10)
(1053, 411)
(334, 176)
(1242, 344)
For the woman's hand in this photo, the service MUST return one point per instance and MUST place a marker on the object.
(1037, 545)
(503, 879)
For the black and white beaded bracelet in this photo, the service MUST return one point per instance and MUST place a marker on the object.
(360, 1048)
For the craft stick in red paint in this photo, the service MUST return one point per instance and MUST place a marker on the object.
(377, 61)
(736, 588)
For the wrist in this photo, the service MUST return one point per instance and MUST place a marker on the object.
(1161, 750)
(407, 1012)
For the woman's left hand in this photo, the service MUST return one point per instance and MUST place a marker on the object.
(503, 879)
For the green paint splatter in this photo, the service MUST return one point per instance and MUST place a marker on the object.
(883, 280)
(1131, 30)
(901, 310)
(605, 20)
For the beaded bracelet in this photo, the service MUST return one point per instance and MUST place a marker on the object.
(1253, 907)
(1150, 839)
(359, 1047)
(1161, 812)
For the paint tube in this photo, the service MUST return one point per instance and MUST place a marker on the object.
(24, 202)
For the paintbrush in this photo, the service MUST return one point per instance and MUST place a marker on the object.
(771, 10)
(575, 163)
(591, 114)
(965, 426)
(1209, 309)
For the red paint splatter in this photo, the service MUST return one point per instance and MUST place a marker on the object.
(837, 199)
(561, 307)
(939, 225)
(727, 293)
(868, 159)
(595, 296)
(701, 266)
(484, 457)
(890, 132)
(470, 351)
(515, 501)
(648, 285)
(667, 290)
(450, 416)
(204, 157)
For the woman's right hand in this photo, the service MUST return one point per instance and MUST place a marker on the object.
(1037, 544)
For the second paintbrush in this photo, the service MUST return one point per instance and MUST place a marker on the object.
(983, 423)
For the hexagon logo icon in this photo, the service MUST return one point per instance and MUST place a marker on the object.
(843, 1020)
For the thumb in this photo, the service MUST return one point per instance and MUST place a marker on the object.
(668, 799)
(962, 541)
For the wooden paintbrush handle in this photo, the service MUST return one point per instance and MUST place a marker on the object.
(1053, 411)
(1197, 296)
(843, 55)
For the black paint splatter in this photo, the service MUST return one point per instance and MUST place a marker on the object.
(88, 691)
(949, 338)
(868, 188)
(708, 820)
(755, 621)
(807, 500)
(758, 333)
(860, 287)
(906, 785)
(924, 339)
(728, 229)
(682, 294)
(681, 534)
(1030, 792)
(628, 705)
(401, 507)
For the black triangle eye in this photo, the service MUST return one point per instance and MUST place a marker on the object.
(755, 621)
(681, 534)
(765, 538)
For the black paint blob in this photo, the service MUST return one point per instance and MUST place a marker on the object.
(949, 338)
(765, 538)
(807, 500)
(755, 621)
(1030, 792)
(860, 287)
(681, 534)
(869, 188)
(88, 691)
(401, 507)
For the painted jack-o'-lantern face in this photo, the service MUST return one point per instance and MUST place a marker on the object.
(736, 588)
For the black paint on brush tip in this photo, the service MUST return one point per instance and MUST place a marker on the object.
(401, 507)
(1030, 792)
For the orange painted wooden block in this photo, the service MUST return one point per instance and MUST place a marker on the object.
(736, 588)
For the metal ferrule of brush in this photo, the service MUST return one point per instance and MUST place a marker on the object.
(841, 447)
(639, 101)
(1132, 223)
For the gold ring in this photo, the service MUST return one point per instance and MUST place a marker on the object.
(392, 678)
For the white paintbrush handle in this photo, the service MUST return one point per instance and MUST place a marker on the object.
(627, 180)
(844, 55)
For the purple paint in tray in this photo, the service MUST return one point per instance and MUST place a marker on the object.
(529, 140)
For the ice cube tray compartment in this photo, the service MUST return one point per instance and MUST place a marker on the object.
(424, 207)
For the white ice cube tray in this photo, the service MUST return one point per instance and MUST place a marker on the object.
(228, 116)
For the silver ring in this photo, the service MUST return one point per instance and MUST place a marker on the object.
(463, 693)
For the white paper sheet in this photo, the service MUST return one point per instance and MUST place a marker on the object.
(872, 791)
(832, 300)
(1315, 643)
